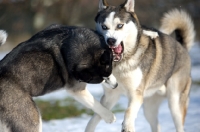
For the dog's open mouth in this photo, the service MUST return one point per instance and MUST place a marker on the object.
(117, 52)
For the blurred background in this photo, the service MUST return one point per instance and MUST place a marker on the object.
(23, 18)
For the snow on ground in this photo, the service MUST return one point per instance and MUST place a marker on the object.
(78, 124)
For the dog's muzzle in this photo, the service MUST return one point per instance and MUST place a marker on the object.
(117, 49)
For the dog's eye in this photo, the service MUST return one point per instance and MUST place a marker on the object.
(104, 27)
(119, 26)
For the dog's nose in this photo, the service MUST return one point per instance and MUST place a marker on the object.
(111, 41)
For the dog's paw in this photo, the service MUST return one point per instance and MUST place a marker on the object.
(109, 117)
(127, 128)
(151, 34)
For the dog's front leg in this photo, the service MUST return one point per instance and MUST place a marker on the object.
(135, 102)
(84, 96)
(109, 99)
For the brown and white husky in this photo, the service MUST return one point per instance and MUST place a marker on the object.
(147, 70)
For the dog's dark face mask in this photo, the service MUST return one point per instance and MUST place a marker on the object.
(87, 57)
(96, 69)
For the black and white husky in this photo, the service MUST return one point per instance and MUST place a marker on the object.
(147, 70)
(57, 57)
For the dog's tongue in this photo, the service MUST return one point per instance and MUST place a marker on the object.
(118, 49)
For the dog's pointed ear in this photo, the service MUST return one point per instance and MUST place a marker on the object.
(102, 5)
(129, 5)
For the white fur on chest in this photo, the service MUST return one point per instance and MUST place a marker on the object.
(132, 80)
(129, 79)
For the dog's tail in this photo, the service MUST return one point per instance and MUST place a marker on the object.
(180, 22)
(3, 37)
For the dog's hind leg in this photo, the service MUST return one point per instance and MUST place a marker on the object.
(23, 116)
(184, 100)
(83, 96)
(177, 94)
(109, 99)
(151, 107)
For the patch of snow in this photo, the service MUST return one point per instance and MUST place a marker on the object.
(78, 124)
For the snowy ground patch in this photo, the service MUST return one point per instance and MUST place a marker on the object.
(78, 124)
